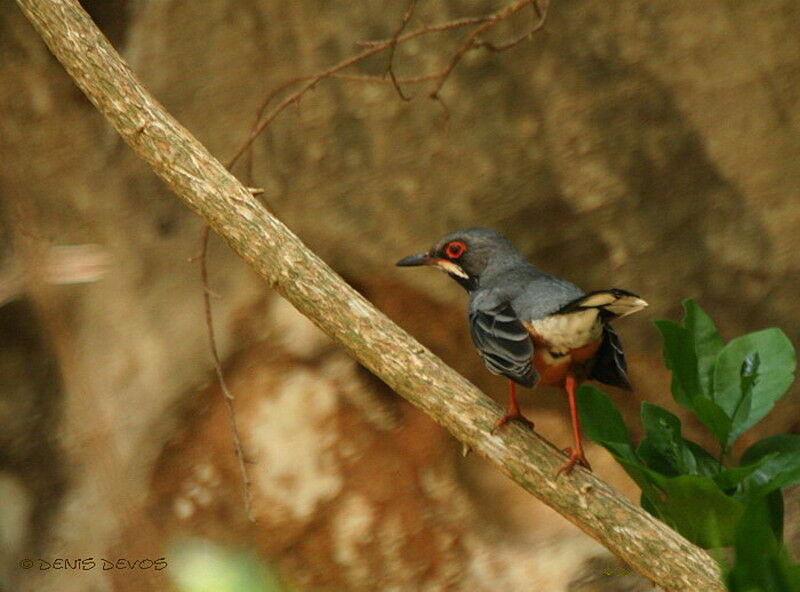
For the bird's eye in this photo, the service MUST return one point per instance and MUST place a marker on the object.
(455, 249)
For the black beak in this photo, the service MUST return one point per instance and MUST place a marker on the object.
(413, 260)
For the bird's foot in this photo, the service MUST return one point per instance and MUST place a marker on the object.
(576, 457)
(512, 416)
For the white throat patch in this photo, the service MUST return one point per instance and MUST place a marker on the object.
(451, 267)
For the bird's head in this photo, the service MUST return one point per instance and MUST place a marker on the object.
(466, 254)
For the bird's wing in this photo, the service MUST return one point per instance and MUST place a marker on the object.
(609, 364)
(501, 339)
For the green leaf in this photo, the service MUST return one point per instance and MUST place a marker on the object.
(762, 563)
(693, 505)
(680, 358)
(748, 375)
(663, 449)
(774, 501)
(714, 418)
(707, 343)
(707, 465)
(779, 463)
(700, 510)
(654, 505)
(601, 421)
(729, 478)
(775, 373)
(654, 502)
(655, 459)
(645, 479)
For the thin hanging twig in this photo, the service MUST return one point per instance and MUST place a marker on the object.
(227, 396)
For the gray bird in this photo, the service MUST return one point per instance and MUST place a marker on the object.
(531, 327)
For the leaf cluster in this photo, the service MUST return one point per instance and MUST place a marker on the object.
(709, 498)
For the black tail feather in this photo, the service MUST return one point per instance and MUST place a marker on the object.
(609, 363)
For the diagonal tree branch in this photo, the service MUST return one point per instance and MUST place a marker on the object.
(309, 284)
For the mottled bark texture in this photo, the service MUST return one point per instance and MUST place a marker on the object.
(649, 146)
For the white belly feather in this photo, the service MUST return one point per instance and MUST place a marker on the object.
(565, 332)
(582, 325)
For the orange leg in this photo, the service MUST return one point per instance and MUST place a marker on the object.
(576, 456)
(513, 413)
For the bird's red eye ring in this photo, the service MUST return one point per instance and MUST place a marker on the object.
(455, 249)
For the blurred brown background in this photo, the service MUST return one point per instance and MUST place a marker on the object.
(645, 145)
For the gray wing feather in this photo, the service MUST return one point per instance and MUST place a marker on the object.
(502, 340)
(543, 295)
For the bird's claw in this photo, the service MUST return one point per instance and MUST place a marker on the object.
(576, 457)
(518, 417)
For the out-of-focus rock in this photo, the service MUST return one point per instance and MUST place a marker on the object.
(342, 503)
